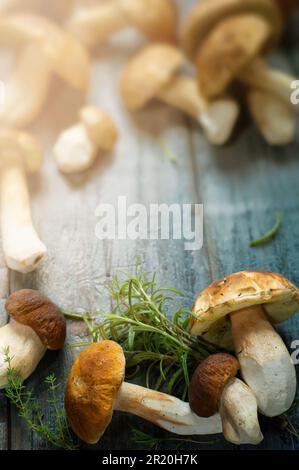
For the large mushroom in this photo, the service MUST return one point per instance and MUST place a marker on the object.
(19, 152)
(247, 303)
(36, 325)
(152, 73)
(156, 19)
(77, 147)
(214, 387)
(96, 388)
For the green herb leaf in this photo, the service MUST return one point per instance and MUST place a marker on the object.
(31, 412)
(168, 152)
(153, 442)
(269, 235)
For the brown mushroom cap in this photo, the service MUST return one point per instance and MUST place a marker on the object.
(157, 19)
(147, 73)
(25, 144)
(206, 14)
(92, 387)
(279, 297)
(31, 308)
(208, 382)
(230, 46)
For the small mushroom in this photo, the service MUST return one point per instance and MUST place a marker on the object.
(275, 118)
(68, 58)
(229, 47)
(27, 88)
(22, 247)
(36, 325)
(77, 147)
(152, 73)
(96, 388)
(156, 19)
(254, 300)
(214, 388)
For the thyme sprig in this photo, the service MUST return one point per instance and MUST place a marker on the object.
(29, 408)
(153, 340)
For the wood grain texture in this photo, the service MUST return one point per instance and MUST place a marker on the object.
(240, 185)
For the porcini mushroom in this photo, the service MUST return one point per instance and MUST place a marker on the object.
(223, 36)
(214, 387)
(96, 388)
(152, 74)
(19, 152)
(67, 56)
(77, 147)
(156, 19)
(254, 300)
(36, 325)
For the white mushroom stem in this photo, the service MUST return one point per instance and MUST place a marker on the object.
(23, 347)
(74, 150)
(259, 75)
(96, 24)
(22, 247)
(275, 118)
(266, 365)
(217, 118)
(238, 411)
(165, 411)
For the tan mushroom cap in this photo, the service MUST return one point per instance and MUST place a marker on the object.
(205, 15)
(100, 127)
(25, 144)
(92, 387)
(31, 308)
(157, 19)
(278, 296)
(230, 46)
(147, 73)
(208, 382)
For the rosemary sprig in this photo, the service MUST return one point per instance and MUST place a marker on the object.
(154, 343)
(30, 410)
(153, 442)
(269, 235)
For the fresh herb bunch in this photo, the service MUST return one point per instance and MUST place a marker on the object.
(150, 339)
(30, 410)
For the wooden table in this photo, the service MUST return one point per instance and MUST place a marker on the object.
(241, 185)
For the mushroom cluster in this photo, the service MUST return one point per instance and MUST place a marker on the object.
(96, 388)
(226, 39)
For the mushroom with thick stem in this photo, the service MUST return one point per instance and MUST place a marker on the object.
(253, 300)
(96, 388)
(77, 147)
(156, 19)
(152, 74)
(239, 31)
(214, 387)
(22, 247)
(36, 325)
